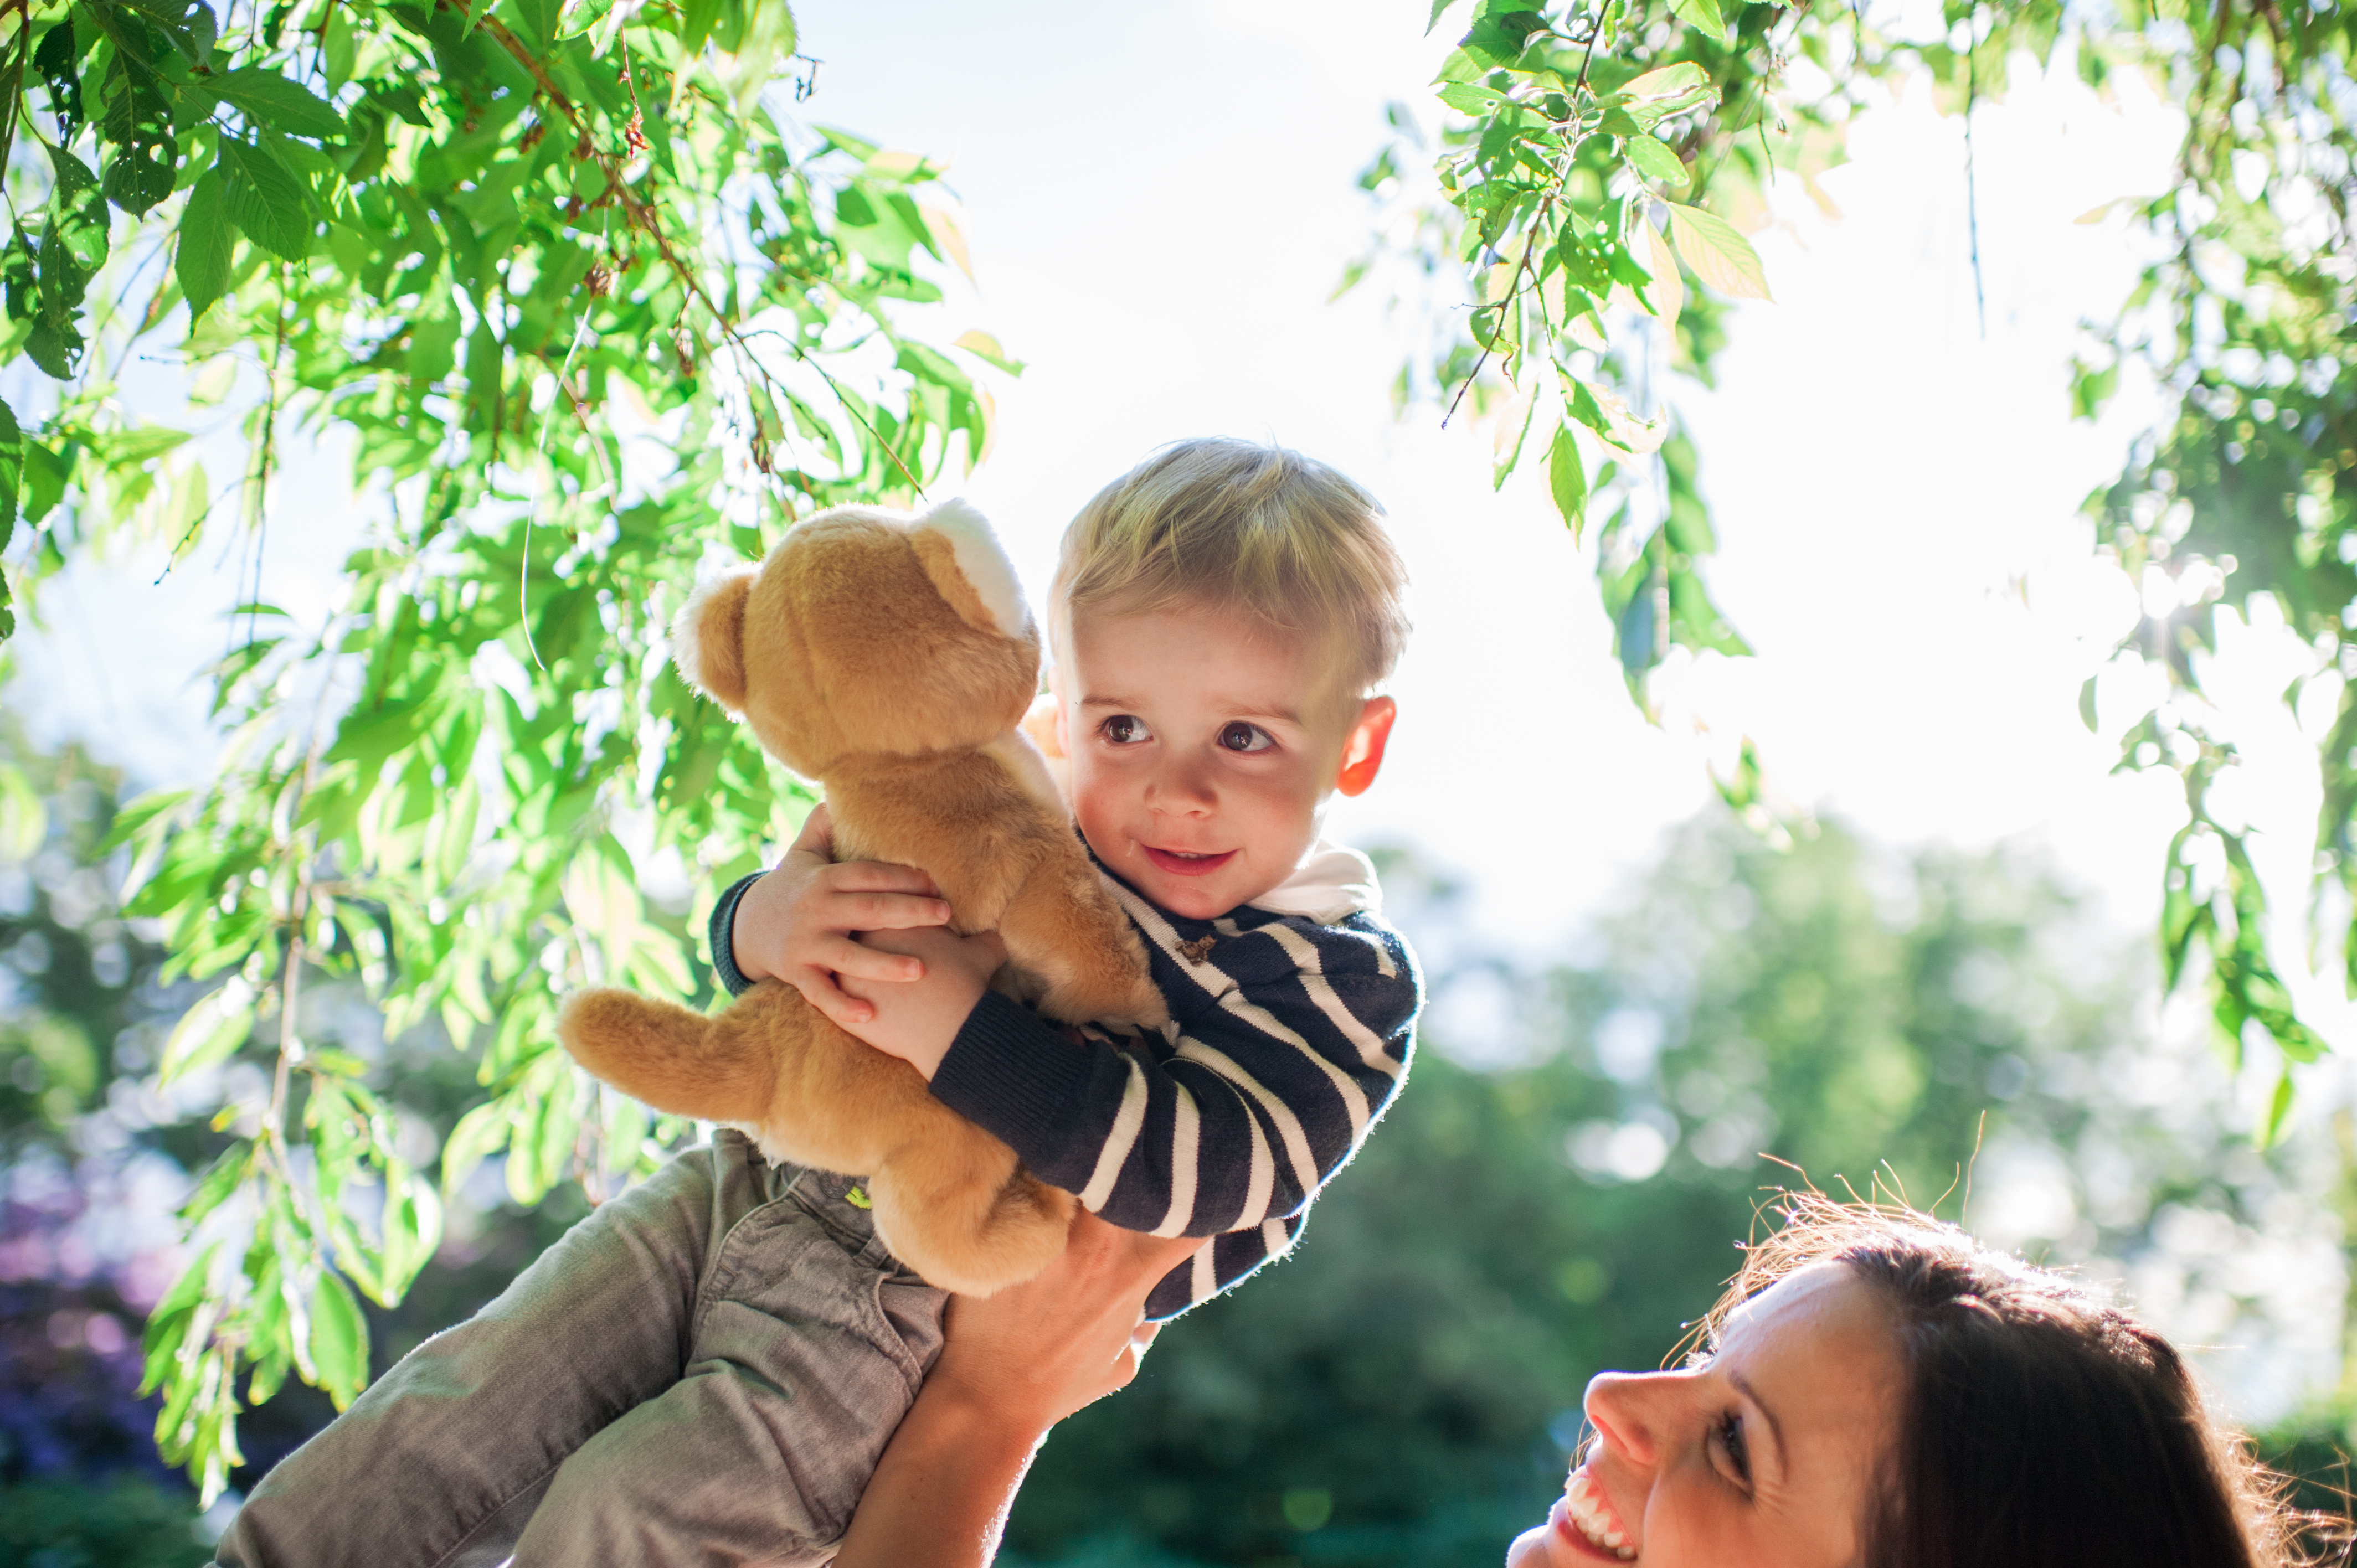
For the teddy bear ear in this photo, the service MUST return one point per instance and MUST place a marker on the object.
(707, 639)
(962, 557)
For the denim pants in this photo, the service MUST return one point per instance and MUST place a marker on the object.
(703, 1371)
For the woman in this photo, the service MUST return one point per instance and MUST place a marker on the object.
(1874, 1388)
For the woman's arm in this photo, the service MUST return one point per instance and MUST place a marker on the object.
(1012, 1366)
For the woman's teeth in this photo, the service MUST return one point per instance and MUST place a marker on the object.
(1585, 1506)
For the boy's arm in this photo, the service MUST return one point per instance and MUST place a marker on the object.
(1291, 1040)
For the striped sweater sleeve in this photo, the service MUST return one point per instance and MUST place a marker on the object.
(724, 936)
(1287, 1040)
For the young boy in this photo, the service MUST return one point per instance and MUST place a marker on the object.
(706, 1369)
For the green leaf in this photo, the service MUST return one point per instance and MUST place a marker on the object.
(696, 20)
(480, 1132)
(1567, 479)
(55, 345)
(167, 1323)
(1469, 97)
(1606, 412)
(1654, 160)
(221, 1179)
(138, 127)
(53, 62)
(1634, 633)
(1669, 83)
(188, 24)
(1718, 256)
(269, 99)
(339, 1347)
(369, 734)
(24, 818)
(986, 347)
(2087, 705)
(538, 19)
(1439, 9)
(266, 202)
(20, 276)
(46, 474)
(11, 474)
(131, 818)
(1514, 429)
(413, 1229)
(1700, 15)
(73, 243)
(1663, 292)
(270, 1370)
(212, 1029)
(1654, 98)
(2278, 1110)
(207, 243)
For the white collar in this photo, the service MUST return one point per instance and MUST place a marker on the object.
(1332, 882)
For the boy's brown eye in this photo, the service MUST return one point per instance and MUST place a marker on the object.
(1242, 737)
(1126, 729)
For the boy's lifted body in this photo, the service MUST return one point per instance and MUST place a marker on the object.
(1220, 616)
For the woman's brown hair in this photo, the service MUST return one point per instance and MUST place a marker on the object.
(2039, 1424)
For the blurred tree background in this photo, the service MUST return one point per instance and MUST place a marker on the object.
(1558, 1195)
(469, 783)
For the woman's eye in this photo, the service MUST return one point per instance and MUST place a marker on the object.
(1727, 1434)
(1242, 737)
(1126, 729)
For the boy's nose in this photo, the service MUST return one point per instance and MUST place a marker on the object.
(1181, 785)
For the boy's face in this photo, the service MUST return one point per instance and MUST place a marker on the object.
(1203, 747)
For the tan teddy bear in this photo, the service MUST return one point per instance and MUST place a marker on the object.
(891, 658)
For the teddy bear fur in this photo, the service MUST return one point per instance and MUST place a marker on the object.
(891, 658)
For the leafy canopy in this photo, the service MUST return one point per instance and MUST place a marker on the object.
(589, 306)
(1588, 144)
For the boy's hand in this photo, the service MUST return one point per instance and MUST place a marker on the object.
(796, 923)
(918, 1021)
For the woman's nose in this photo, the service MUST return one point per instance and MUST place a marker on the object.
(1631, 1412)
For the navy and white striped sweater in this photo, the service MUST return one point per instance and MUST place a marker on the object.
(1288, 1035)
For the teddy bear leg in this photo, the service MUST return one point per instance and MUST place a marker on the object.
(1063, 926)
(959, 1210)
(839, 1104)
(671, 1057)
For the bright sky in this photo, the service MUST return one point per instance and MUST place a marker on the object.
(1159, 201)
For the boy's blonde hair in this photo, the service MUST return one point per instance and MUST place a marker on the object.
(1239, 526)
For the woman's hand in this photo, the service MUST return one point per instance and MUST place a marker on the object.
(1038, 1351)
(796, 923)
(1012, 1366)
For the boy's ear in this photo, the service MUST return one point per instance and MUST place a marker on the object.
(707, 639)
(969, 569)
(1362, 753)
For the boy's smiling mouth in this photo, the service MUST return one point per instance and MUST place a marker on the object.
(1187, 862)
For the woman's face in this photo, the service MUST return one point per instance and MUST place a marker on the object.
(1761, 1458)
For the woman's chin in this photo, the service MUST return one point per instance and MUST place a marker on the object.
(1532, 1548)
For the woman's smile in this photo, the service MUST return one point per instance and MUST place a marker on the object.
(1588, 1517)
